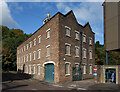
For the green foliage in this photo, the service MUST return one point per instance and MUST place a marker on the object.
(100, 55)
(11, 39)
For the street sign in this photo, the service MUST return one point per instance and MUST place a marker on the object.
(95, 69)
(95, 74)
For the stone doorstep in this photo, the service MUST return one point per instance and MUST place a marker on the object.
(56, 85)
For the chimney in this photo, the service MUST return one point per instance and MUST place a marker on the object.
(46, 19)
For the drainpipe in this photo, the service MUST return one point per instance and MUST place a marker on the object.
(106, 57)
(80, 53)
(107, 64)
(80, 48)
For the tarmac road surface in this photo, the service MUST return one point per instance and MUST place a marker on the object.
(30, 84)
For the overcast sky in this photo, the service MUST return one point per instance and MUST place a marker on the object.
(28, 16)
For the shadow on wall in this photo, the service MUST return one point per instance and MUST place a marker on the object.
(11, 76)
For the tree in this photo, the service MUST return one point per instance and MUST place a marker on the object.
(100, 56)
(11, 39)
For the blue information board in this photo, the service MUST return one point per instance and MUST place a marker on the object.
(95, 74)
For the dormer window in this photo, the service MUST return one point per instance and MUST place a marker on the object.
(67, 29)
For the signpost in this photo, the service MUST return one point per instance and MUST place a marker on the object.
(95, 69)
(95, 74)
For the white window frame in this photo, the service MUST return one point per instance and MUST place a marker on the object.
(34, 42)
(39, 39)
(24, 58)
(90, 41)
(67, 44)
(84, 54)
(78, 33)
(39, 53)
(68, 68)
(84, 68)
(30, 56)
(90, 54)
(21, 67)
(27, 58)
(29, 69)
(24, 48)
(34, 55)
(77, 47)
(21, 58)
(30, 44)
(38, 69)
(91, 69)
(34, 69)
(26, 69)
(27, 47)
(48, 54)
(84, 38)
(18, 51)
(48, 33)
(66, 27)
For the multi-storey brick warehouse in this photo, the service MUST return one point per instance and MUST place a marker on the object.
(57, 48)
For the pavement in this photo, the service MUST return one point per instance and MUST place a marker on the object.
(30, 84)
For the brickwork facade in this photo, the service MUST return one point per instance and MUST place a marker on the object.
(51, 40)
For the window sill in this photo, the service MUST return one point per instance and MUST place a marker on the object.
(38, 58)
(77, 56)
(67, 54)
(84, 57)
(77, 39)
(67, 74)
(68, 35)
(47, 37)
(47, 56)
(90, 58)
(84, 42)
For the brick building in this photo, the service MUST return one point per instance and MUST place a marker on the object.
(57, 48)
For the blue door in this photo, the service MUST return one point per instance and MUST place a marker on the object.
(49, 72)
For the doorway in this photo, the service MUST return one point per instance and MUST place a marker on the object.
(108, 75)
(49, 72)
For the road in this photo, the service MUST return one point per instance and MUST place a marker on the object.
(30, 84)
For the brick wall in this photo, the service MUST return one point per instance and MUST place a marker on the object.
(57, 42)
